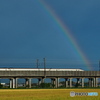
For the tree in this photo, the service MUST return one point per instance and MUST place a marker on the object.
(1, 86)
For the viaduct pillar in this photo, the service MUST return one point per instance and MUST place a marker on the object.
(70, 82)
(16, 84)
(66, 82)
(82, 82)
(55, 82)
(78, 81)
(42, 80)
(11, 83)
(96, 82)
(39, 81)
(91, 82)
(28, 82)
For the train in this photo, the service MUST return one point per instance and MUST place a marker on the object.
(37, 69)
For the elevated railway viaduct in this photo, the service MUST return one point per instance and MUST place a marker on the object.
(13, 75)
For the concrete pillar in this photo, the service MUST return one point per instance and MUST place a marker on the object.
(94, 82)
(39, 81)
(70, 80)
(26, 83)
(78, 81)
(89, 82)
(57, 82)
(16, 85)
(82, 82)
(42, 80)
(11, 83)
(66, 82)
(29, 81)
(54, 82)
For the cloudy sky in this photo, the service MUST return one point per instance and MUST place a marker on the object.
(29, 31)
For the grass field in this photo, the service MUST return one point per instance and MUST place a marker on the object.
(45, 94)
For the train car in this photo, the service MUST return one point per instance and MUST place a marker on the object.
(31, 69)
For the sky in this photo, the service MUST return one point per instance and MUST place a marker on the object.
(29, 30)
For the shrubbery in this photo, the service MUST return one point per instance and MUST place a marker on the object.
(1, 86)
(45, 85)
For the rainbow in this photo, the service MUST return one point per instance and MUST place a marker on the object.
(66, 32)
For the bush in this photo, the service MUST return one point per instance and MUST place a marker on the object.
(1, 86)
(45, 85)
(77, 84)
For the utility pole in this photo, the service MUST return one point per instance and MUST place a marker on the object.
(37, 63)
(44, 67)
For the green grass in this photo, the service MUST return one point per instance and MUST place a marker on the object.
(45, 94)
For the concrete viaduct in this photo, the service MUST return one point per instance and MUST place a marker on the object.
(14, 75)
